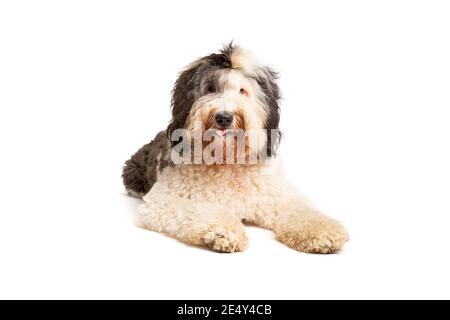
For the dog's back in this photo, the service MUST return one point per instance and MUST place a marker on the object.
(142, 169)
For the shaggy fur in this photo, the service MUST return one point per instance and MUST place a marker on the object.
(142, 170)
(207, 204)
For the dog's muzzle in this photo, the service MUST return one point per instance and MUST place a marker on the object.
(224, 120)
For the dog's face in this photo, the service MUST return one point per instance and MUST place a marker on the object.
(225, 92)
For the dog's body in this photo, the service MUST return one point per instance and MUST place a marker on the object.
(207, 203)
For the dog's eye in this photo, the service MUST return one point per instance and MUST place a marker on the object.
(211, 88)
(243, 91)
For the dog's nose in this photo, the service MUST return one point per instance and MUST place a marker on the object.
(224, 119)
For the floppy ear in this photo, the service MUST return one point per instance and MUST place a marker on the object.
(182, 99)
(267, 81)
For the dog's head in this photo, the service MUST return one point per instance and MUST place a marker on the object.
(226, 91)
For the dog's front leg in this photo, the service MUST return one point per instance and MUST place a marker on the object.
(302, 227)
(195, 223)
(305, 229)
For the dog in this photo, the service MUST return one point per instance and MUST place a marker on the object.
(206, 196)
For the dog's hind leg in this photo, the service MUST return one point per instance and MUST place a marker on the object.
(195, 223)
(141, 171)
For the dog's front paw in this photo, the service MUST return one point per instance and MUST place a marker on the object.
(223, 240)
(318, 234)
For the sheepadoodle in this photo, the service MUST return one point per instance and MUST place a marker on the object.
(215, 167)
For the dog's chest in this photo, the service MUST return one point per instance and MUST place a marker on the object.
(230, 185)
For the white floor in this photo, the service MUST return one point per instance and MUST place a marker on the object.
(83, 245)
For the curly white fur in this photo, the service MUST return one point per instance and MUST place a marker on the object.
(206, 205)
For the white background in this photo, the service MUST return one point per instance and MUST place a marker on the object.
(365, 116)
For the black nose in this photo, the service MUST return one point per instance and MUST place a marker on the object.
(224, 119)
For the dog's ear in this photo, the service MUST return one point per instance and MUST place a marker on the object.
(267, 80)
(183, 97)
